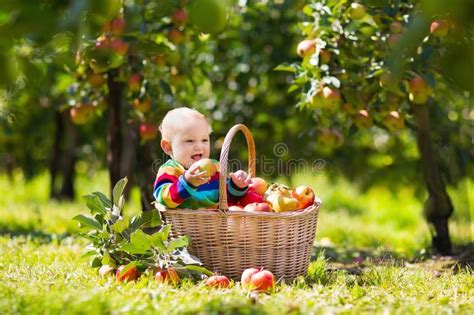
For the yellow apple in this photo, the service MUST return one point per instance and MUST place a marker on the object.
(207, 166)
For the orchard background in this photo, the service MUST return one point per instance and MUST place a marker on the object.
(369, 102)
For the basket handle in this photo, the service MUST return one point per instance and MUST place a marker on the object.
(223, 205)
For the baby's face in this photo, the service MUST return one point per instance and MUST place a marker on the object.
(190, 143)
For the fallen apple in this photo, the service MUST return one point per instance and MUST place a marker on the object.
(105, 270)
(129, 273)
(221, 282)
(168, 276)
(247, 275)
(260, 280)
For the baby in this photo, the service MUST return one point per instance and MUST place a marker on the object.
(179, 183)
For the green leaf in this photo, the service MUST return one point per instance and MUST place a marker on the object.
(118, 190)
(89, 253)
(103, 198)
(285, 67)
(121, 225)
(165, 231)
(182, 241)
(140, 243)
(199, 269)
(94, 204)
(87, 222)
(95, 262)
(156, 239)
(293, 87)
(151, 218)
(106, 258)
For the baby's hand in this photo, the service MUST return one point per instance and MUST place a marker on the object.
(240, 178)
(195, 177)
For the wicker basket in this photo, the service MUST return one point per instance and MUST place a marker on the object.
(230, 241)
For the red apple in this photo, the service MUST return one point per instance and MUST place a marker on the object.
(81, 113)
(143, 106)
(325, 56)
(105, 270)
(331, 95)
(306, 48)
(439, 28)
(258, 207)
(357, 11)
(168, 276)
(117, 26)
(363, 119)
(119, 46)
(134, 82)
(96, 80)
(207, 166)
(250, 197)
(394, 121)
(262, 281)
(131, 273)
(176, 36)
(148, 131)
(160, 59)
(247, 275)
(236, 208)
(417, 84)
(258, 185)
(393, 39)
(396, 27)
(304, 195)
(218, 282)
(180, 17)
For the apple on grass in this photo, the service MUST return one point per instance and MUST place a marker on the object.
(217, 281)
(127, 273)
(168, 276)
(260, 280)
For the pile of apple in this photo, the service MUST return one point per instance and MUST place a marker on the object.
(262, 197)
(254, 279)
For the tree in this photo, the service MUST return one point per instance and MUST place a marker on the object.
(374, 67)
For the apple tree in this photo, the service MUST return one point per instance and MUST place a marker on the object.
(374, 70)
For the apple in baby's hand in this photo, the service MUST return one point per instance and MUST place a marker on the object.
(304, 195)
(207, 166)
(258, 185)
(250, 197)
(258, 207)
(218, 282)
(131, 273)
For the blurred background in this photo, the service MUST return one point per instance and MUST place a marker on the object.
(369, 102)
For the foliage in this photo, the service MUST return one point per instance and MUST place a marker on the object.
(120, 240)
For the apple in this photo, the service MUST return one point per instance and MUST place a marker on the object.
(418, 97)
(96, 80)
(218, 282)
(250, 197)
(247, 275)
(119, 46)
(131, 273)
(277, 189)
(208, 16)
(159, 60)
(105, 270)
(396, 27)
(260, 280)
(362, 119)
(394, 121)
(439, 28)
(258, 185)
(81, 113)
(357, 11)
(417, 84)
(393, 39)
(282, 203)
(348, 108)
(330, 138)
(306, 48)
(143, 106)
(235, 208)
(304, 195)
(325, 56)
(148, 131)
(258, 207)
(179, 17)
(134, 82)
(331, 95)
(176, 36)
(116, 26)
(207, 166)
(168, 276)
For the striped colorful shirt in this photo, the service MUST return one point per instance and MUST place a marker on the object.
(173, 191)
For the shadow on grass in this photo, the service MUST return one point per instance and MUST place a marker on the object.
(356, 260)
(38, 237)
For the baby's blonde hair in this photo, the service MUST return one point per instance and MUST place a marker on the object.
(175, 118)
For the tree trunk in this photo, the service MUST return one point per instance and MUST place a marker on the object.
(56, 154)
(129, 157)
(69, 158)
(114, 132)
(146, 155)
(438, 207)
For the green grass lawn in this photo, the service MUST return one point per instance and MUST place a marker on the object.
(371, 255)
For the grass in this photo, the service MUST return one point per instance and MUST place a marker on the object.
(371, 256)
